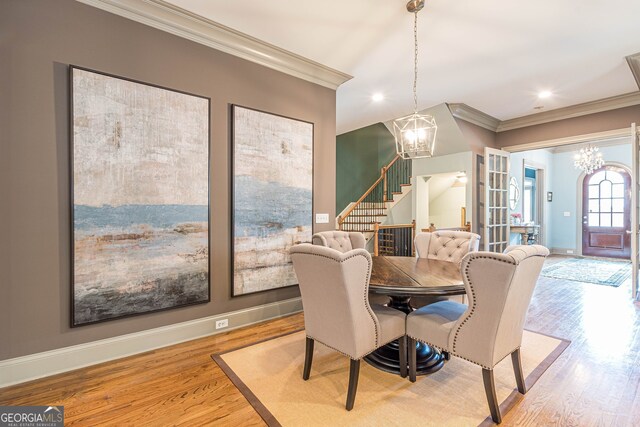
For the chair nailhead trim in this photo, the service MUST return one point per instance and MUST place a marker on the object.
(452, 353)
(366, 292)
(468, 281)
(351, 357)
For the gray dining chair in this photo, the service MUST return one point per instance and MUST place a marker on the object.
(444, 245)
(337, 312)
(489, 328)
(344, 241)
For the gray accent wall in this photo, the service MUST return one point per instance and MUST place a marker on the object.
(38, 40)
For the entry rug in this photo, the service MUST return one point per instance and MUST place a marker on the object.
(269, 375)
(600, 272)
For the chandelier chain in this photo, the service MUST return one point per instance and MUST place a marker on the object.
(415, 61)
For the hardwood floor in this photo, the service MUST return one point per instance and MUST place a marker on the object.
(596, 381)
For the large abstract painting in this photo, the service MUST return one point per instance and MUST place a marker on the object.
(272, 197)
(140, 195)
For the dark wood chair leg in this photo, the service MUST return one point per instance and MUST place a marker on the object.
(402, 354)
(517, 369)
(411, 345)
(308, 358)
(354, 373)
(490, 390)
(446, 355)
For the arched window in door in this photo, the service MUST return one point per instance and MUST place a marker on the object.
(606, 199)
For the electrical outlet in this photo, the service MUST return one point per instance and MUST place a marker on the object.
(222, 323)
(322, 218)
(566, 213)
(569, 251)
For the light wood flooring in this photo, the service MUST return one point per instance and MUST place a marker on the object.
(596, 381)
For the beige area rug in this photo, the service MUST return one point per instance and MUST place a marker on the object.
(269, 374)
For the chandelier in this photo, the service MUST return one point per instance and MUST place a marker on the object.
(415, 134)
(588, 159)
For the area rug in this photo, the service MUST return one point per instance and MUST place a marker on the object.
(269, 375)
(600, 272)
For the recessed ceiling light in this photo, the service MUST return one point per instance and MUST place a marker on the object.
(377, 97)
(544, 94)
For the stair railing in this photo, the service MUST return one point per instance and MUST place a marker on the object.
(361, 215)
(394, 240)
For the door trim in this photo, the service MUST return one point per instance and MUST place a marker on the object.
(576, 139)
(579, 189)
(541, 198)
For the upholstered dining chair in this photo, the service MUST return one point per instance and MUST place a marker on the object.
(444, 245)
(342, 241)
(499, 288)
(337, 312)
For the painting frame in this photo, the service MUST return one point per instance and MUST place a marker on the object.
(72, 216)
(233, 156)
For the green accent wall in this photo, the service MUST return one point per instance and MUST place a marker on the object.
(360, 154)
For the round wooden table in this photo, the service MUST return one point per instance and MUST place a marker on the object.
(401, 278)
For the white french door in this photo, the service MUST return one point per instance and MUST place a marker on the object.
(635, 212)
(496, 200)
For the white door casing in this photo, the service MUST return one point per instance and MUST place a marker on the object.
(635, 213)
(496, 200)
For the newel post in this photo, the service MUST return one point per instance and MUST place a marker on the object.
(376, 228)
(383, 173)
(413, 237)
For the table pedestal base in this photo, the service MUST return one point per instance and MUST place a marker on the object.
(387, 358)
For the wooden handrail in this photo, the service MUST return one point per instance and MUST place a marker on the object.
(383, 174)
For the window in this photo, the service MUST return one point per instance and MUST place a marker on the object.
(606, 199)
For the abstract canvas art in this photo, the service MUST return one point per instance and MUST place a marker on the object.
(140, 197)
(272, 197)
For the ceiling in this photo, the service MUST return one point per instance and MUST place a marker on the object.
(494, 55)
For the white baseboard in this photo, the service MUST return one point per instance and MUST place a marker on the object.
(564, 251)
(39, 365)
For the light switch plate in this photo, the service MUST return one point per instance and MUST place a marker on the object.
(322, 218)
(567, 213)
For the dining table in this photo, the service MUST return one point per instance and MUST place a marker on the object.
(400, 278)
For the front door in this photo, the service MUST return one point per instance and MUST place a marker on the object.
(606, 219)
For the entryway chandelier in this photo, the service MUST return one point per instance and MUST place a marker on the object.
(588, 159)
(415, 134)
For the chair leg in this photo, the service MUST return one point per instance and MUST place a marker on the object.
(446, 355)
(490, 390)
(517, 369)
(411, 345)
(308, 358)
(354, 373)
(402, 350)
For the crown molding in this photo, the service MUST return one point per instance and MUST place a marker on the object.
(606, 104)
(177, 21)
(634, 64)
(474, 116)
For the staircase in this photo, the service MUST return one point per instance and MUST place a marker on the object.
(371, 208)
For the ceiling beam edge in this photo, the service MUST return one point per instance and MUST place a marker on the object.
(634, 64)
(177, 21)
